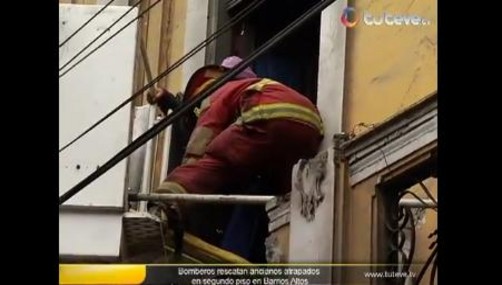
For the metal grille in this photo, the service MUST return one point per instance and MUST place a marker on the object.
(142, 230)
(401, 223)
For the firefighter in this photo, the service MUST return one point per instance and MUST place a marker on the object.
(249, 127)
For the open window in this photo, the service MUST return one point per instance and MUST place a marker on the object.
(293, 62)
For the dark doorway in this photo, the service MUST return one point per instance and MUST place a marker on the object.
(294, 61)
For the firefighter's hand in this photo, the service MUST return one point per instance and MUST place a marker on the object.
(167, 211)
(163, 98)
(155, 98)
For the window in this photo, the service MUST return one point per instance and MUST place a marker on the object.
(293, 62)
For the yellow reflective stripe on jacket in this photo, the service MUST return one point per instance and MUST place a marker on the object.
(281, 110)
(203, 106)
(170, 187)
(258, 86)
(205, 103)
(204, 86)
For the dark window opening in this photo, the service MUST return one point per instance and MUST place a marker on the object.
(294, 61)
(397, 223)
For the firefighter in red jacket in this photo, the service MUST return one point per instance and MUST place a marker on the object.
(250, 126)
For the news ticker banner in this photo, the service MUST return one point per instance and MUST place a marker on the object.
(195, 274)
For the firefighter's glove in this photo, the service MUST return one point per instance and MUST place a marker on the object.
(164, 99)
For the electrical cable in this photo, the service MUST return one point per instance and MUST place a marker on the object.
(238, 17)
(86, 23)
(169, 119)
(105, 41)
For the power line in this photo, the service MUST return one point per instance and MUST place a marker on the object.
(238, 17)
(85, 24)
(98, 37)
(169, 119)
(109, 38)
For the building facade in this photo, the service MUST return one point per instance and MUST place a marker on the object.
(373, 77)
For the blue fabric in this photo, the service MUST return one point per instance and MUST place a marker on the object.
(244, 232)
(279, 68)
(247, 229)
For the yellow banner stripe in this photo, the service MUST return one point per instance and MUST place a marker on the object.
(83, 274)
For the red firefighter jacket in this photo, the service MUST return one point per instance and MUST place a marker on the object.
(245, 101)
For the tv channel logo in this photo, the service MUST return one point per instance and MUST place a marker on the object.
(350, 18)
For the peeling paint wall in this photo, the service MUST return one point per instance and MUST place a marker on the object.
(171, 50)
(87, 93)
(311, 234)
(176, 44)
(360, 224)
(388, 68)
